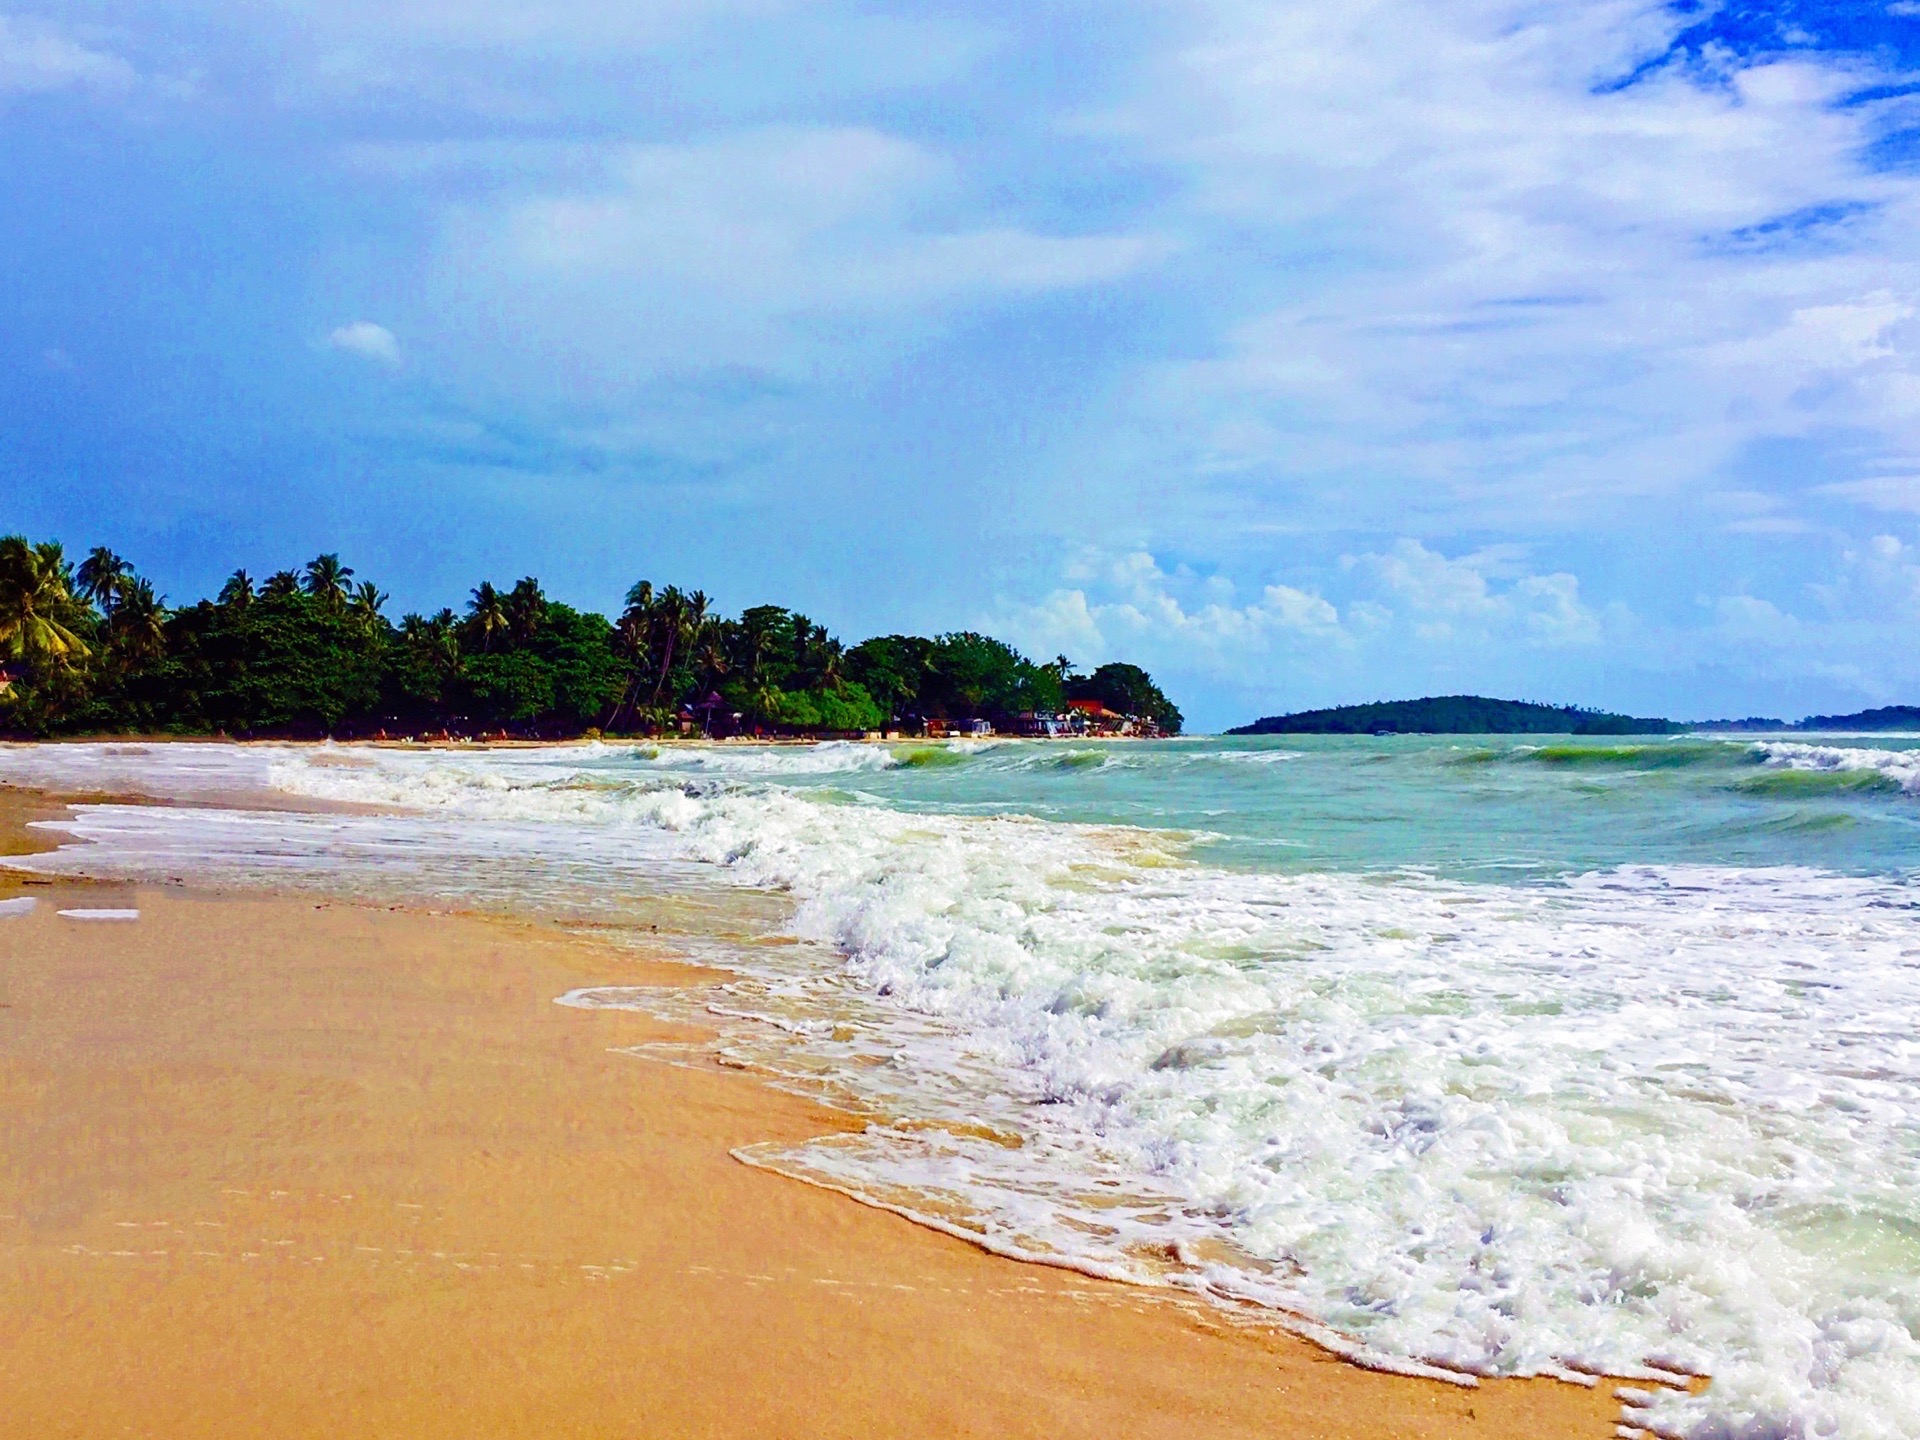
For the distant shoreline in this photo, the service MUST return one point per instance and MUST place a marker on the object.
(1482, 715)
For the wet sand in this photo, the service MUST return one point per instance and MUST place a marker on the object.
(272, 1167)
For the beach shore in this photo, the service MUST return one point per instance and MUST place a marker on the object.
(287, 1167)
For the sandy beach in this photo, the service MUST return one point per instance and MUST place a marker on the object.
(279, 1167)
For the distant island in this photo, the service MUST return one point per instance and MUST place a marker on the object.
(1456, 715)
(1479, 715)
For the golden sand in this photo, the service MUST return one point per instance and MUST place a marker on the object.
(272, 1168)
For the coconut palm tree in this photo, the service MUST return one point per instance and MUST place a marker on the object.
(671, 613)
(365, 605)
(281, 585)
(137, 630)
(630, 643)
(237, 593)
(526, 610)
(635, 637)
(711, 660)
(101, 578)
(326, 581)
(487, 613)
(436, 639)
(37, 605)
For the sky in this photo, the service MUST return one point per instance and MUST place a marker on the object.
(1302, 353)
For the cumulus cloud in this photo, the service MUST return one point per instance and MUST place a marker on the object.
(1475, 604)
(1135, 602)
(368, 340)
(1444, 598)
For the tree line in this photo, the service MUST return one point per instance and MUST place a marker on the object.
(92, 648)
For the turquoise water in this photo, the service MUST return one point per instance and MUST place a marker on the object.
(1489, 807)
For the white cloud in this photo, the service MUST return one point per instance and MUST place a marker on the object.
(1134, 603)
(36, 57)
(364, 338)
(793, 219)
(755, 248)
(1129, 604)
(1899, 493)
(1843, 336)
(1748, 619)
(1455, 599)
(1506, 289)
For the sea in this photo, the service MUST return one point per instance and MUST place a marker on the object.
(1466, 1056)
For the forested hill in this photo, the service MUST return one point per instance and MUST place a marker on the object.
(1455, 715)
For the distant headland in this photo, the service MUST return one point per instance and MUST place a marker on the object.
(1456, 715)
(1480, 715)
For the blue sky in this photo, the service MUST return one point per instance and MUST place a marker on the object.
(1304, 353)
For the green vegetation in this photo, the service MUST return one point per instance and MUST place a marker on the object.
(93, 649)
(1125, 690)
(1887, 717)
(1456, 715)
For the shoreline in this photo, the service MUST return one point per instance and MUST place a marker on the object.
(227, 1039)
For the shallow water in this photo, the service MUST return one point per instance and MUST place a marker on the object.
(1495, 1055)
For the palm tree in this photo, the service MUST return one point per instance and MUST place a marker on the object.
(670, 614)
(137, 627)
(102, 576)
(237, 593)
(37, 605)
(829, 662)
(525, 608)
(488, 613)
(281, 585)
(436, 639)
(711, 662)
(633, 639)
(365, 605)
(326, 581)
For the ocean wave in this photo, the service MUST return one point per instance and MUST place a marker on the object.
(1641, 1115)
(833, 757)
(1896, 768)
(1657, 754)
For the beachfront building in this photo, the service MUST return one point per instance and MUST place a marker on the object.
(1091, 717)
(1042, 723)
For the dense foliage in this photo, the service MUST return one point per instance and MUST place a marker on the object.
(1126, 690)
(92, 648)
(1455, 715)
